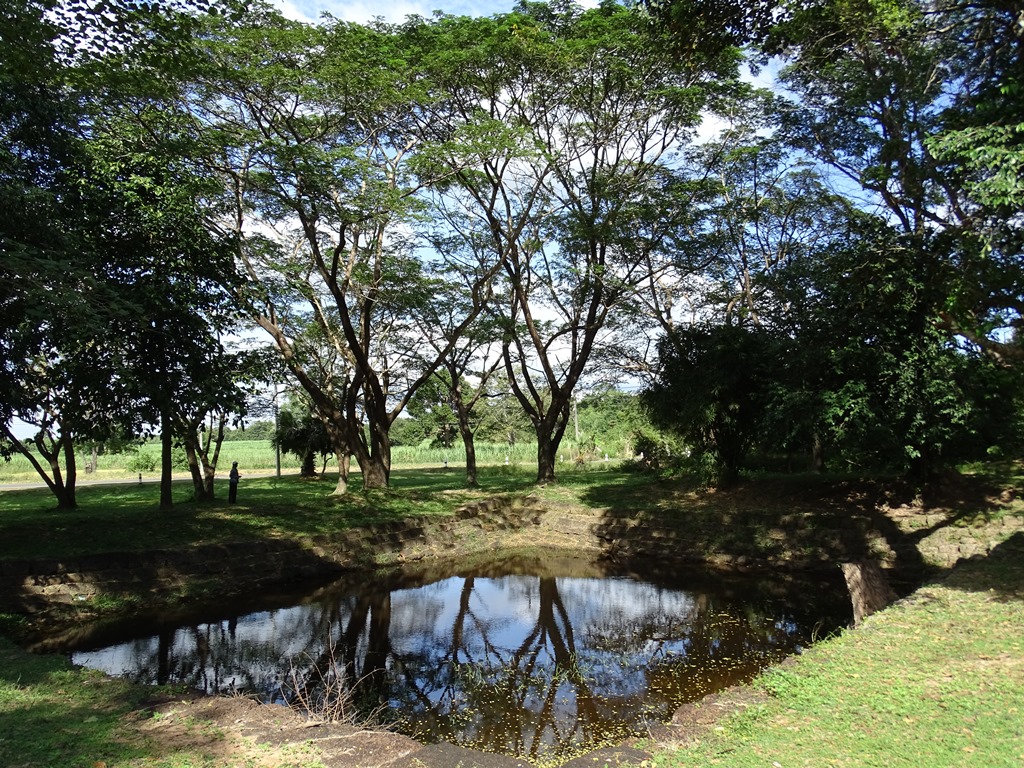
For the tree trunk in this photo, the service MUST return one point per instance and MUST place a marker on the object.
(374, 459)
(343, 455)
(199, 490)
(209, 475)
(470, 445)
(210, 462)
(201, 465)
(462, 413)
(548, 422)
(166, 464)
(343, 466)
(371, 446)
(375, 473)
(817, 453)
(66, 497)
(547, 450)
(869, 588)
(468, 442)
(550, 428)
(308, 468)
(62, 484)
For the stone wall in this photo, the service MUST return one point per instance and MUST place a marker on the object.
(34, 586)
(797, 541)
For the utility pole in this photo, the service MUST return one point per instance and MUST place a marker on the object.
(277, 427)
(576, 418)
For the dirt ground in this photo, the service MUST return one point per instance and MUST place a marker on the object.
(240, 731)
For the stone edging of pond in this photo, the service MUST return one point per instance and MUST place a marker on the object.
(60, 591)
(123, 581)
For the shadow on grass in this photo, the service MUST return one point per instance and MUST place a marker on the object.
(55, 734)
(126, 517)
(53, 715)
(802, 521)
(1001, 572)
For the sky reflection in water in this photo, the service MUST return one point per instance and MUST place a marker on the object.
(537, 656)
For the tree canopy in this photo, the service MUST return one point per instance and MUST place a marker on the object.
(536, 204)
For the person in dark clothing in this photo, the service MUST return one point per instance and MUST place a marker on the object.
(233, 479)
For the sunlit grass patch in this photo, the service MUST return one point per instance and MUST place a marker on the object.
(937, 680)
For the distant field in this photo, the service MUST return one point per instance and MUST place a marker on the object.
(258, 455)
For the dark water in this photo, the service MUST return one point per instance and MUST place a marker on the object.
(532, 655)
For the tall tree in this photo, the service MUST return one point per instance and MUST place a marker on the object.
(473, 355)
(876, 86)
(300, 432)
(65, 235)
(559, 120)
(39, 157)
(869, 372)
(178, 272)
(713, 389)
(740, 208)
(320, 196)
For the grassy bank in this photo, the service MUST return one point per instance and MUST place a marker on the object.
(936, 680)
(771, 519)
(55, 716)
(125, 517)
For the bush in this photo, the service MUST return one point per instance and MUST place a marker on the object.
(141, 462)
(655, 451)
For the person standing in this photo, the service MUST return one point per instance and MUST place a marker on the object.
(233, 478)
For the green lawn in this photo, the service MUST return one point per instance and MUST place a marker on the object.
(126, 517)
(935, 681)
(259, 456)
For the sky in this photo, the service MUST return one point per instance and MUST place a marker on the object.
(394, 10)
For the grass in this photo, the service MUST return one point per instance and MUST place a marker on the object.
(259, 455)
(769, 516)
(126, 517)
(936, 680)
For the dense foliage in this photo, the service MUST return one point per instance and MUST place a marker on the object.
(488, 224)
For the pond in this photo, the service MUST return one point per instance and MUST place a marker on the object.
(533, 654)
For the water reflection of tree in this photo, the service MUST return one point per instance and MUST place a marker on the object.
(525, 698)
(524, 681)
(214, 658)
(348, 673)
